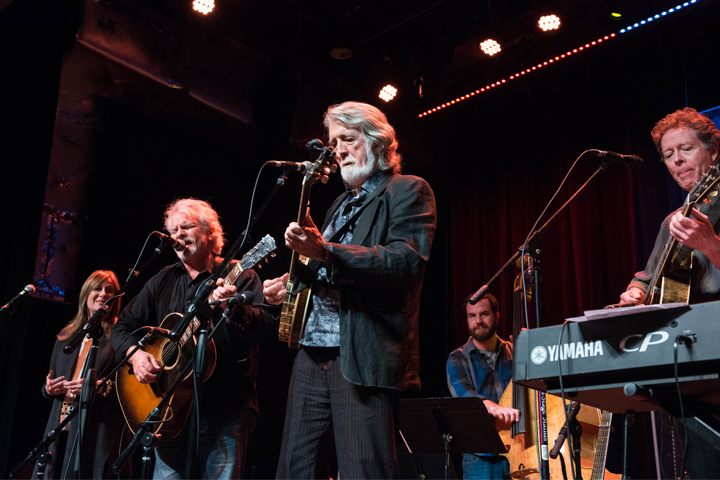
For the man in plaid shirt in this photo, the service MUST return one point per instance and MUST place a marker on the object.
(483, 368)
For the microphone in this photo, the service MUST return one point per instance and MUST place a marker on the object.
(245, 298)
(630, 161)
(242, 298)
(290, 166)
(168, 240)
(157, 331)
(315, 145)
(238, 299)
(574, 408)
(25, 293)
(476, 296)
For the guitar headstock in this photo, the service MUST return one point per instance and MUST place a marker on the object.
(324, 165)
(705, 186)
(260, 252)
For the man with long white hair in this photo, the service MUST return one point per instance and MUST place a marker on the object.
(360, 347)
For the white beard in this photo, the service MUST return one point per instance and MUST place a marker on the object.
(355, 176)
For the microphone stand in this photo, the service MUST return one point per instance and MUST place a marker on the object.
(145, 433)
(199, 371)
(41, 449)
(535, 238)
(87, 399)
(533, 249)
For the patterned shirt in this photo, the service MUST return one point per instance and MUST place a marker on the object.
(323, 324)
(472, 372)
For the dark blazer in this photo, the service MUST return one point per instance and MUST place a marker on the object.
(106, 422)
(380, 275)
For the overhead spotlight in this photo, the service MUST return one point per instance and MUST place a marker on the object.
(616, 14)
(490, 47)
(549, 22)
(203, 6)
(388, 92)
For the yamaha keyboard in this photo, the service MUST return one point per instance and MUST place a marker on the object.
(610, 352)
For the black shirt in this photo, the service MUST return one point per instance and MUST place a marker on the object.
(231, 387)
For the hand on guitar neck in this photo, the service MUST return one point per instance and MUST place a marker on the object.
(223, 292)
(696, 233)
(306, 240)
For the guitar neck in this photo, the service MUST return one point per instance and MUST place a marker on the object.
(662, 267)
(598, 470)
(302, 214)
(249, 260)
(232, 276)
(195, 324)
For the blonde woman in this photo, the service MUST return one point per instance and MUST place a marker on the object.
(63, 385)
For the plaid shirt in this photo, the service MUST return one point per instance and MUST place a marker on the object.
(470, 375)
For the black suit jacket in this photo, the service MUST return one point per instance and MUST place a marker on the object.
(380, 275)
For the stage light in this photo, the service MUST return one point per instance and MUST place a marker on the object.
(204, 6)
(388, 92)
(490, 47)
(549, 22)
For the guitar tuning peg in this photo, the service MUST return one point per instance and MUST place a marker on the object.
(259, 265)
(272, 255)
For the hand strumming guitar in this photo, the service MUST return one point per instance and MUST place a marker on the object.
(633, 295)
(144, 366)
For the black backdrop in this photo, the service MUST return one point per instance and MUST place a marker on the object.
(493, 161)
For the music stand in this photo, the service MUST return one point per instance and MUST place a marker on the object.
(448, 425)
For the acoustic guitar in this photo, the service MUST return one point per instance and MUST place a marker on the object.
(670, 282)
(295, 304)
(137, 399)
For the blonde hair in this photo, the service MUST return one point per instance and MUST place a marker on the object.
(206, 217)
(95, 280)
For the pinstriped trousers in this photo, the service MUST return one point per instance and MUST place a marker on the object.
(323, 407)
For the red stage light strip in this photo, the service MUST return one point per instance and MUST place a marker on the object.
(553, 60)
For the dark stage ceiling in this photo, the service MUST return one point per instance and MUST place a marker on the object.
(404, 42)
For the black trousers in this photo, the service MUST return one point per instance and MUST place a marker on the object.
(323, 408)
